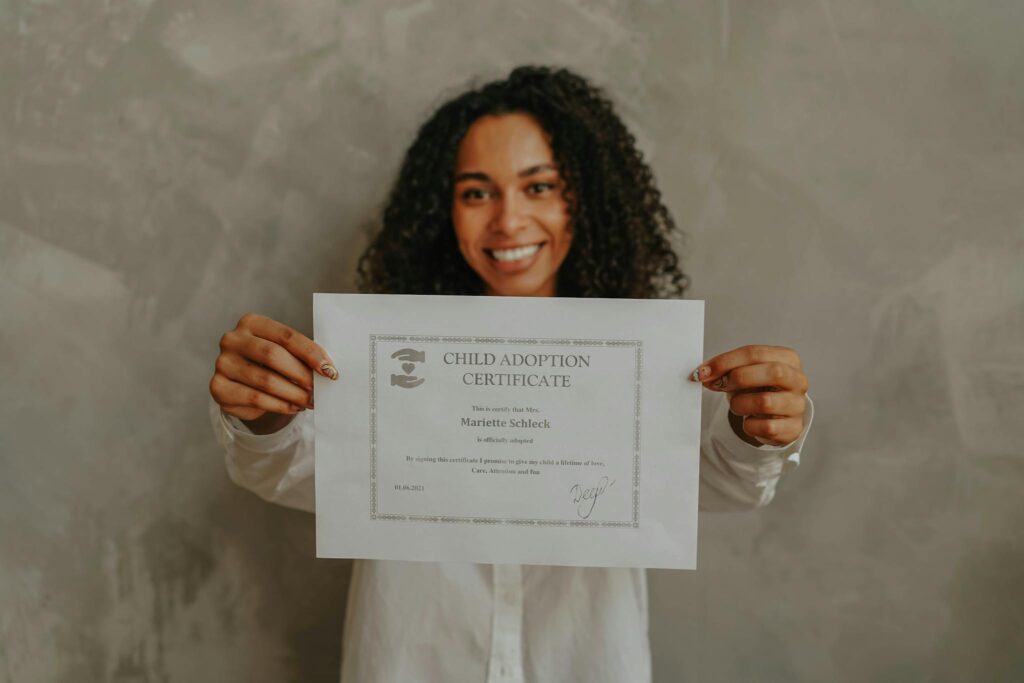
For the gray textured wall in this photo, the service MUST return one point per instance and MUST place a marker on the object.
(852, 178)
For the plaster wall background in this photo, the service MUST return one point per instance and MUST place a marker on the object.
(851, 177)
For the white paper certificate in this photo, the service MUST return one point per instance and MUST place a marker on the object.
(509, 430)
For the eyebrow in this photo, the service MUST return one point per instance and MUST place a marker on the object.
(477, 175)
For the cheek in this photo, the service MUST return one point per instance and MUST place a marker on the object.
(562, 234)
(466, 249)
(466, 240)
(463, 231)
(565, 241)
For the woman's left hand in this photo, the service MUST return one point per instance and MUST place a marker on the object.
(766, 388)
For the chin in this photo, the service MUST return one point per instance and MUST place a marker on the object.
(524, 289)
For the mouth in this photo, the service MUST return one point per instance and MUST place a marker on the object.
(514, 256)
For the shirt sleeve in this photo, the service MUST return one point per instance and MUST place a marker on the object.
(734, 475)
(277, 467)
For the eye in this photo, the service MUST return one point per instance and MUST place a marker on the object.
(540, 188)
(473, 193)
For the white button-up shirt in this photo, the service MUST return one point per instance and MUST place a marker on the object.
(434, 621)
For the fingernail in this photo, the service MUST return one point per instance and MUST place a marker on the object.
(721, 382)
(297, 409)
(310, 405)
(328, 370)
(704, 371)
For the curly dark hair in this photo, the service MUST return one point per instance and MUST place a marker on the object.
(622, 232)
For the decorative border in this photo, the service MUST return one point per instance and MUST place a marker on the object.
(536, 341)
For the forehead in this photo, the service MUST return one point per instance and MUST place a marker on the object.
(505, 142)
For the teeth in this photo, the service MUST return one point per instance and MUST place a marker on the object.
(515, 254)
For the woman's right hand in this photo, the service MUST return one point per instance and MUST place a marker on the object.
(264, 372)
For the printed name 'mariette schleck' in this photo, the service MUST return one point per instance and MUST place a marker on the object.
(522, 423)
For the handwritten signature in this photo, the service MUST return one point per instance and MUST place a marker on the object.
(585, 499)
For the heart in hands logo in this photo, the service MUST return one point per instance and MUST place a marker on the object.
(408, 358)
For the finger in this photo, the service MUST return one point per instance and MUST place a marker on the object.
(239, 369)
(762, 376)
(778, 431)
(768, 404)
(722, 364)
(228, 392)
(268, 354)
(298, 344)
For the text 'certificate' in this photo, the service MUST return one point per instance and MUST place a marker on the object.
(508, 430)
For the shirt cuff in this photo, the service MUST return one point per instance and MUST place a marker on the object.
(742, 451)
(240, 434)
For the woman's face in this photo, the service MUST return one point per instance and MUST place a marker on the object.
(511, 218)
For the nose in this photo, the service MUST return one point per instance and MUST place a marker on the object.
(510, 217)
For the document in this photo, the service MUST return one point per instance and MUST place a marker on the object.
(554, 431)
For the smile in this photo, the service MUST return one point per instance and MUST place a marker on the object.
(514, 254)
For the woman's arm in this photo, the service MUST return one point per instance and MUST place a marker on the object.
(754, 430)
(735, 475)
(277, 467)
(262, 385)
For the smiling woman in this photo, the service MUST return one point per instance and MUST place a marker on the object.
(509, 211)
(524, 169)
(527, 186)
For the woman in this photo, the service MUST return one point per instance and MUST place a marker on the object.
(529, 186)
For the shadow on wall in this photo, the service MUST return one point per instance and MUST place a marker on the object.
(953, 344)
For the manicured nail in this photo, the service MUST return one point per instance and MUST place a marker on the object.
(700, 373)
(297, 409)
(721, 382)
(310, 405)
(328, 370)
